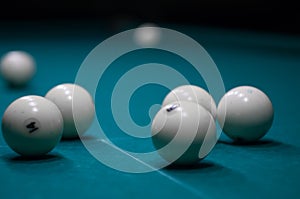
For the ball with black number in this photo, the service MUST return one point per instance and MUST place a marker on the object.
(183, 132)
(32, 125)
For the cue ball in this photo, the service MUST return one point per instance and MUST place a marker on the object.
(193, 94)
(17, 67)
(181, 129)
(77, 108)
(32, 125)
(246, 113)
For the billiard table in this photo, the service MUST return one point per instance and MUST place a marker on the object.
(268, 168)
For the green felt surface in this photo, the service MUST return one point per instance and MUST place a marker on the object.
(268, 169)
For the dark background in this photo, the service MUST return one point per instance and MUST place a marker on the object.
(276, 15)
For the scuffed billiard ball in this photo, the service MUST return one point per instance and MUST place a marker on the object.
(32, 126)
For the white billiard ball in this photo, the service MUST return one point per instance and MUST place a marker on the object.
(147, 35)
(246, 113)
(73, 100)
(183, 132)
(17, 67)
(32, 125)
(193, 94)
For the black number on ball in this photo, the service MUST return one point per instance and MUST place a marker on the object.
(173, 107)
(32, 127)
